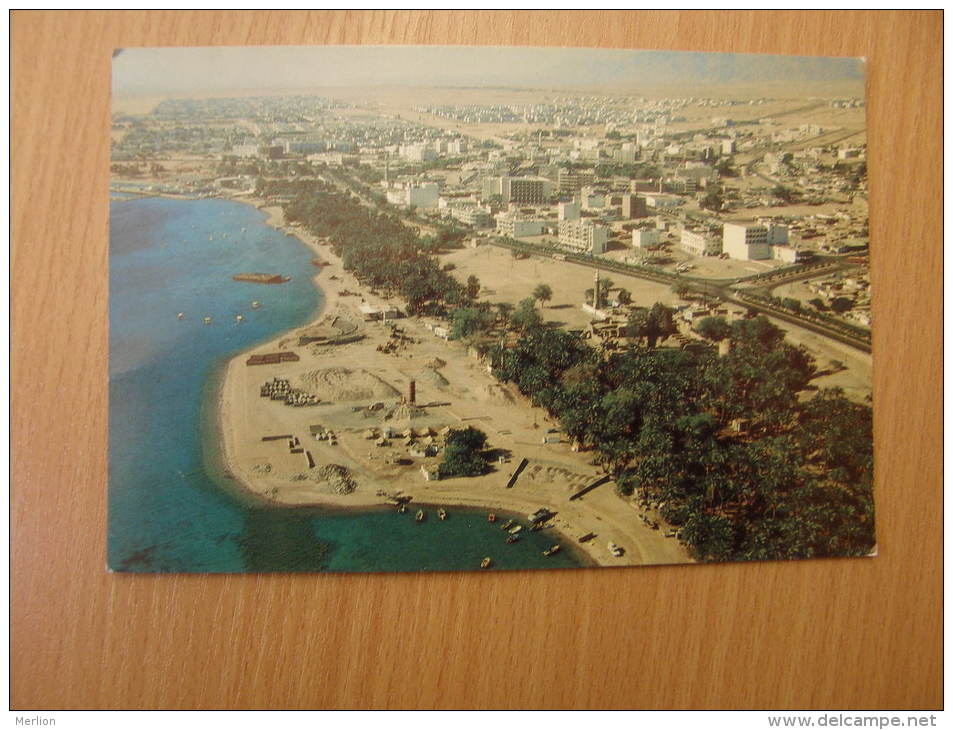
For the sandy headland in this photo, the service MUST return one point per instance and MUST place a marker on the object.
(364, 442)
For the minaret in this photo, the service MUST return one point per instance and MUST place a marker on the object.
(595, 292)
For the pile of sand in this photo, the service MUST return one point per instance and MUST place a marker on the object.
(342, 384)
(431, 377)
(338, 477)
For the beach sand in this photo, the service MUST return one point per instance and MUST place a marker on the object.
(349, 377)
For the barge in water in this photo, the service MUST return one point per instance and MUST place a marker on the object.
(262, 278)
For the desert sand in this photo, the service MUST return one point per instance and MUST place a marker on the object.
(366, 456)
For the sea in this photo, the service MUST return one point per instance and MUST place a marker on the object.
(171, 508)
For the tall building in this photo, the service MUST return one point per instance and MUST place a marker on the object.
(583, 236)
(527, 190)
(645, 237)
(633, 206)
(520, 190)
(569, 211)
(572, 181)
(751, 241)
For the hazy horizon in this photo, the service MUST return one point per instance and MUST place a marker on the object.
(142, 72)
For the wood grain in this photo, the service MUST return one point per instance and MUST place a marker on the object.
(812, 634)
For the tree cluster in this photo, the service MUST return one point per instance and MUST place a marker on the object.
(463, 453)
(377, 246)
(726, 447)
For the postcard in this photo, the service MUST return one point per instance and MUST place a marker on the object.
(464, 308)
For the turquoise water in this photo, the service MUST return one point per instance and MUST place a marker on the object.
(167, 513)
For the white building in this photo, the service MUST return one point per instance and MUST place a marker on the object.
(472, 215)
(423, 196)
(590, 199)
(583, 236)
(245, 150)
(417, 152)
(700, 243)
(645, 237)
(750, 241)
(786, 254)
(662, 201)
(514, 225)
(569, 211)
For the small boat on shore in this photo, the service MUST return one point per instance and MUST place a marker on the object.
(486, 563)
(587, 537)
(615, 550)
(537, 526)
(442, 514)
(507, 525)
(551, 550)
(516, 529)
(491, 517)
(402, 507)
(420, 515)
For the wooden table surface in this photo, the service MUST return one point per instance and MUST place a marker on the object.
(811, 634)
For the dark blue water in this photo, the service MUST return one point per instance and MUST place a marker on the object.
(168, 512)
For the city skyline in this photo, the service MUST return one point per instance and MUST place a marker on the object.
(170, 71)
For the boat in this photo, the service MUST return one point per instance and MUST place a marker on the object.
(511, 539)
(420, 515)
(180, 315)
(402, 507)
(257, 278)
(442, 513)
(319, 263)
(507, 525)
(255, 304)
(486, 563)
(615, 550)
(537, 526)
(207, 320)
(551, 550)
(516, 529)
(239, 318)
(210, 238)
(587, 537)
(540, 515)
(491, 517)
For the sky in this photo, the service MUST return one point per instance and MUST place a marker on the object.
(169, 71)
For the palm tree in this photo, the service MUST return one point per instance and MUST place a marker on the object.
(543, 293)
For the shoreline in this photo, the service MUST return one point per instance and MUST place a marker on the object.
(231, 395)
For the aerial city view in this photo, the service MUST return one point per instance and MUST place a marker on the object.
(449, 308)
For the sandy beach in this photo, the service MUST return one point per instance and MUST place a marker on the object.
(363, 386)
